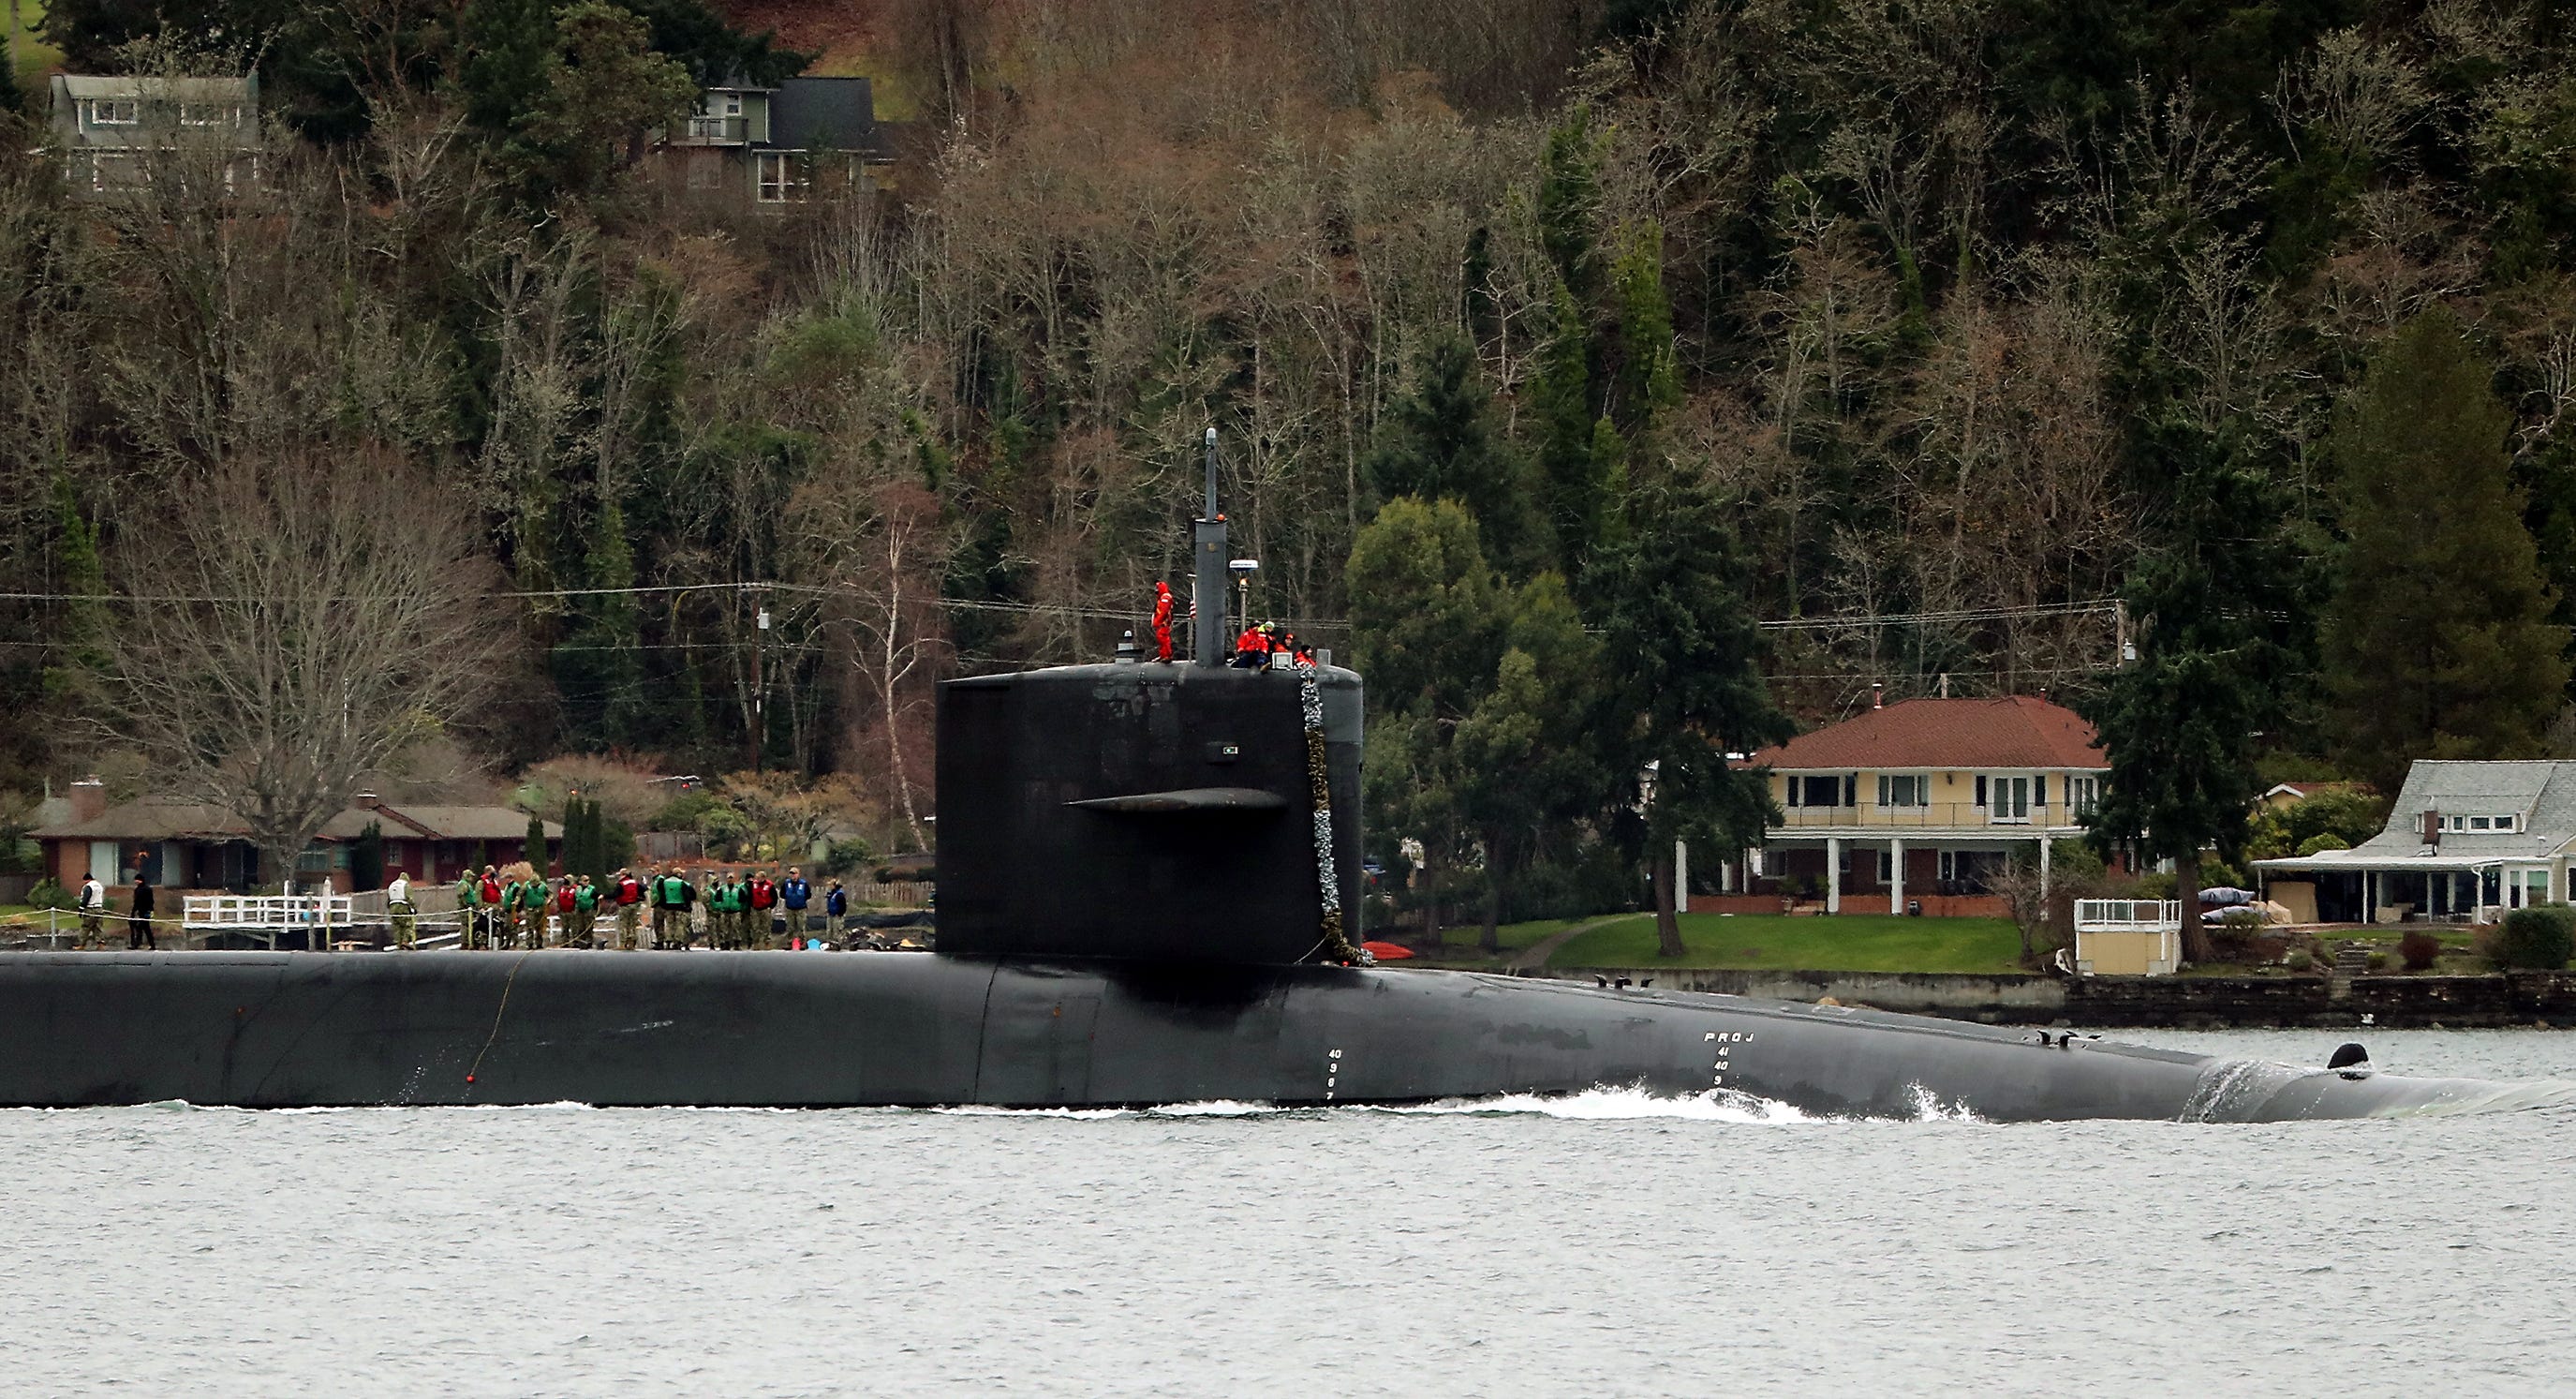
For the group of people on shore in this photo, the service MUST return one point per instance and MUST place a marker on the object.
(516, 907)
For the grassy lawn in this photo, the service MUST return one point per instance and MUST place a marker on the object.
(1458, 946)
(35, 56)
(1853, 942)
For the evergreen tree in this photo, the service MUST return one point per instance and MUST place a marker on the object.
(533, 849)
(1683, 658)
(576, 834)
(1437, 443)
(1569, 202)
(1428, 623)
(2221, 617)
(1579, 489)
(1524, 760)
(1649, 381)
(2440, 643)
(367, 858)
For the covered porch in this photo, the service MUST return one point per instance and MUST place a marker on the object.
(2376, 888)
(1875, 872)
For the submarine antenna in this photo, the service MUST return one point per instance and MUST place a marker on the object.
(1207, 589)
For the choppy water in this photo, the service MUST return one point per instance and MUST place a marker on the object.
(1602, 1245)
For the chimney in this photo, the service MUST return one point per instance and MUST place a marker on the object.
(367, 801)
(89, 799)
(1877, 695)
(2432, 828)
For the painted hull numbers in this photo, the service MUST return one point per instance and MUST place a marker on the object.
(1332, 1074)
(1725, 1040)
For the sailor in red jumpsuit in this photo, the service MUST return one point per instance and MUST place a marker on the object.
(1163, 621)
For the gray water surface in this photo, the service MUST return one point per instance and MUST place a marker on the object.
(1608, 1244)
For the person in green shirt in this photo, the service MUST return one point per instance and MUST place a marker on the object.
(585, 909)
(740, 895)
(670, 909)
(468, 896)
(515, 899)
(720, 913)
(535, 899)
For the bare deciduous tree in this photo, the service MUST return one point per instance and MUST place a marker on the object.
(289, 622)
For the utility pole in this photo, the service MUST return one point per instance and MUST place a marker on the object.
(759, 692)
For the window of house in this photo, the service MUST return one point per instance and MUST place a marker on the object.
(205, 114)
(114, 111)
(2010, 798)
(2083, 794)
(782, 181)
(1816, 791)
(1912, 789)
(115, 170)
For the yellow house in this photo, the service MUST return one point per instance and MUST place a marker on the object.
(1919, 802)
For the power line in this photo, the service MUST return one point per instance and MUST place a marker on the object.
(1954, 616)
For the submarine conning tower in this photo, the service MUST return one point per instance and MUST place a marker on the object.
(1142, 810)
(1151, 810)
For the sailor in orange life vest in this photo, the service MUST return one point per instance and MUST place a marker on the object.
(1252, 649)
(1163, 622)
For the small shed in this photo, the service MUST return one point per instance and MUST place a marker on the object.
(2128, 937)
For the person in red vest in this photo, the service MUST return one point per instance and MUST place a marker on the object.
(764, 897)
(1162, 621)
(565, 903)
(630, 909)
(490, 907)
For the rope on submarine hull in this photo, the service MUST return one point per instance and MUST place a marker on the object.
(1336, 945)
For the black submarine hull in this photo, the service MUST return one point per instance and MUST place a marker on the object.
(920, 1030)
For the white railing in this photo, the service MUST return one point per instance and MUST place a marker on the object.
(2127, 915)
(264, 912)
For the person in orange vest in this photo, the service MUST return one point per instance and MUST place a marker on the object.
(1252, 649)
(1162, 621)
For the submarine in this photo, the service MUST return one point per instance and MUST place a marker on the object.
(1147, 873)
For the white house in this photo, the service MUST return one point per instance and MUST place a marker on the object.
(2465, 841)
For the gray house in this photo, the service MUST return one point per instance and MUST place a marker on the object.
(117, 136)
(2465, 841)
(769, 147)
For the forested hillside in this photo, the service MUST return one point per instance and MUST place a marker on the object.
(1934, 322)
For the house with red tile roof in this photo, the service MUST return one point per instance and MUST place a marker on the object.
(1918, 802)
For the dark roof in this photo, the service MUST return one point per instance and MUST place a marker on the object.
(165, 818)
(824, 114)
(2016, 731)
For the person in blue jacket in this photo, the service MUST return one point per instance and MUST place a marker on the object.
(793, 895)
(836, 907)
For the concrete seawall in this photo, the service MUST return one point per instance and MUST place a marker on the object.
(2515, 999)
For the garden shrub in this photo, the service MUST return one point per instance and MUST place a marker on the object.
(2378, 962)
(48, 894)
(2541, 938)
(2418, 951)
